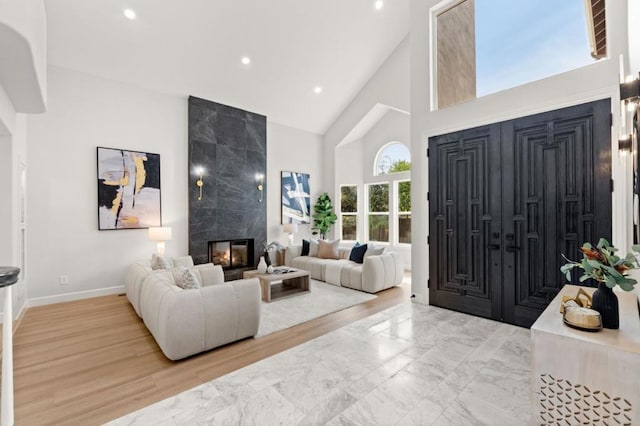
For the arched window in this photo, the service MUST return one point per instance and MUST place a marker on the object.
(392, 158)
(388, 200)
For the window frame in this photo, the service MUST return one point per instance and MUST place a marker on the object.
(355, 214)
(369, 213)
(398, 213)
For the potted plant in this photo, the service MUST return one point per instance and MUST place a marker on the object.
(602, 264)
(324, 216)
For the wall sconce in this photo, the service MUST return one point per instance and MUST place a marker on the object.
(200, 182)
(625, 145)
(630, 93)
(260, 187)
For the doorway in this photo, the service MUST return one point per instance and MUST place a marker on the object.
(507, 200)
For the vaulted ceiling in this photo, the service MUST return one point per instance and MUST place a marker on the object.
(194, 47)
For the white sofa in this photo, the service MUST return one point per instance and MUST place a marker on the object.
(187, 322)
(376, 273)
(138, 271)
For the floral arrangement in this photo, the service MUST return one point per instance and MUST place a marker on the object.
(602, 264)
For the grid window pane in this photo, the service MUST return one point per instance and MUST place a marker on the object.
(349, 227)
(379, 227)
(349, 199)
(379, 198)
(404, 228)
(404, 196)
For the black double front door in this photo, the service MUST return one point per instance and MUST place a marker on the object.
(507, 200)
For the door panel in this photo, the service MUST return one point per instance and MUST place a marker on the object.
(507, 200)
(465, 220)
(557, 195)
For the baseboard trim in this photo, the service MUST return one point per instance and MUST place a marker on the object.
(18, 320)
(70, 297)
(421, 298)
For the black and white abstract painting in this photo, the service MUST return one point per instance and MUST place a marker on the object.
(128, 189)
(296, 204)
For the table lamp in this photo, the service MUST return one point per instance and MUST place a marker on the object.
(290, 228)
(160, 234)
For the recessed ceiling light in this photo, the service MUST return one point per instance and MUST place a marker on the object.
(378, 4)
(317, 90)
(129, 14)
(246, 60)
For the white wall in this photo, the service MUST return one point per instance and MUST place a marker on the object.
(23, 44)
(293, 150)
(18, 157)
(12, 153)
(86, 112)
(6, 209)
(593, 82)
(389, 86)
(393, 127)
(634, 37)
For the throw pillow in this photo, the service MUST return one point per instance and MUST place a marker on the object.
(305, 248)
(374, 251)
(159, 262)
(357, 253)
(328, 249)
(313, 248)
(186, 278)
(186, 261)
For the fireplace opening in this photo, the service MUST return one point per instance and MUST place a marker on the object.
(231, 254)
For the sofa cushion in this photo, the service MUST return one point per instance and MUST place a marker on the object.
(313, 248)
(333, 270)
(328, 249)
(159, 262)
(373, 251)
(186, 261)
(210, 274)
(357, 253)
(186, 278)
(351, 276)
(305, 248)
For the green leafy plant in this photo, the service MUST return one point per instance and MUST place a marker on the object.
(602, 264)
(324, 217)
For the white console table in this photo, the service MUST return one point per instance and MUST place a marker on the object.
(581, 377)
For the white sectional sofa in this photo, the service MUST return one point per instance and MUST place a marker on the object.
(138, 271)
(376, 273)
(187, 322)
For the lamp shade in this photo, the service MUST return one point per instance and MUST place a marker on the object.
(160, 234)
(290, 228)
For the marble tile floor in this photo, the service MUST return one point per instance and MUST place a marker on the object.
(408, 365)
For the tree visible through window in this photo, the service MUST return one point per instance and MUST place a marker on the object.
(349, 212)
(404, 212)
(379, 212)
(393, 158)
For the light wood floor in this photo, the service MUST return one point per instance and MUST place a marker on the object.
(91, 361)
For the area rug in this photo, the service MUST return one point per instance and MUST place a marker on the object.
(323, 299)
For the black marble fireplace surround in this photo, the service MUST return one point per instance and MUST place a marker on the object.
(231, 147)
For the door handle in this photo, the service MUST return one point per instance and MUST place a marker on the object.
(493, 246)
(512, 248)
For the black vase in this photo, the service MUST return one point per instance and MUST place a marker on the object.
(266, 257)
(605, 301)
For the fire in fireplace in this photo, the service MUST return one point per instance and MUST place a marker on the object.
(231, 254)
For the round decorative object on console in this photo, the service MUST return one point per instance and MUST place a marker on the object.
(270, 269)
